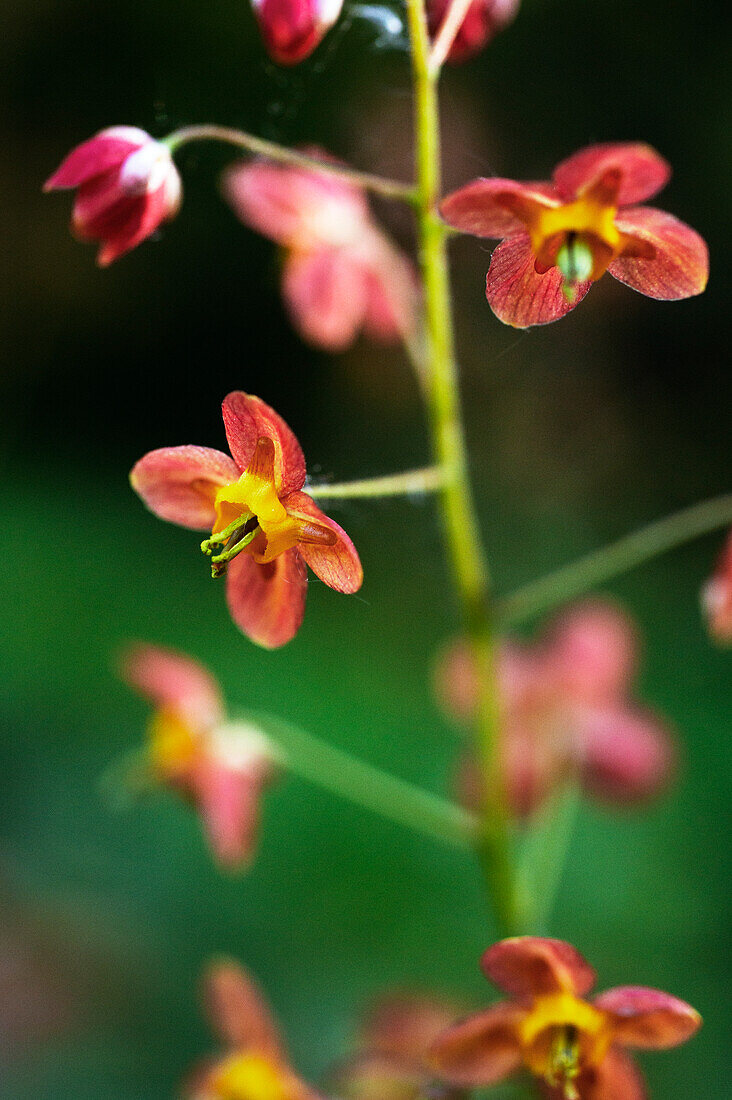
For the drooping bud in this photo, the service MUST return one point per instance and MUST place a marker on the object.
(483, 20)
(292, 29)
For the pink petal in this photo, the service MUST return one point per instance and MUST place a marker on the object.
(518, 295)
(295, 207)
(337, 565)
(106, 150)
(616, 1078)
(628, 756)
(291, 29)
(527, 966)
(228, 799)
(172, 681)
(179, 484)
(643, 171)
(717, 596)
(672, 261)
(238, 1012)
(480, 1050)
(593, 650)
(496, 207)
(326, 295)
(403, 1025)
(267, 602)
(648, 1018)
(391, 294)
(151, 211)
(484, 18)
(248, 419)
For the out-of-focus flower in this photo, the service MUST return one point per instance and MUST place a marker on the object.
(484, 19)
(563, 235)
(566, 712)
(265, 530)
(127, 185)
(717, 597)
(221, 766)
(292, 29)
(572, 1045)
(255, 1065)
(391, 1063)
(341, 274)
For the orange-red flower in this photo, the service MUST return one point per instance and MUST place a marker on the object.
(255, 1065)
(265, 530)
(391, 1063)
(219, 765)
(717, 597)
(127, 185)
(341, 275)
(572, 1045)
(292, 29)
(484, 19)
(566, 712)
(561, 236)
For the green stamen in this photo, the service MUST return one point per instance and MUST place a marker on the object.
(575, 261)
(564, 1061)
(225, 545)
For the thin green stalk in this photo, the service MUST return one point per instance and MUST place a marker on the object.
(364, 785)
(465, 550)
(390, 189)
(544, 854)
(613, 560)
(427, 480)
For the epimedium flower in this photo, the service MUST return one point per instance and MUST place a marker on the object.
(341, 274)
(221, 766)
(484, 19)
(559, 237)
(254, 1065)
(572, 1045)
(717, 597)
(291, 29)
(127, 186)
(264, 529)
(391, 1061)
(567, 713)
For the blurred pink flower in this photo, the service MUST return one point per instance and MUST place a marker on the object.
(573, 1046)
(127, 185)
(561, 236)
(566, 712)
(484, 19)
(717, 597)
(254, 1066)
(292, 29)
(221, 766)
(341, 273)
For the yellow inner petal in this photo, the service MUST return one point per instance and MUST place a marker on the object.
(173, 745)
(250, 1077)
(561, 1035)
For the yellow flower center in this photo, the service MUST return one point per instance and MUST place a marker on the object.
(172, 744)
(586, 225)
(560, 1037)
(250, 1077)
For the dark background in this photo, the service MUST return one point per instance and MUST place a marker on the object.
(578, 432)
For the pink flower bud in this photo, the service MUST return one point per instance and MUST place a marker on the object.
(483, 20)
(127, 185)
(291, 29)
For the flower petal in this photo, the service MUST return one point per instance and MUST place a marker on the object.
(238, 1012)
(643, 170)
(593, 650)
(480, 1050)
(247, 419)
(648, 1018)
(402, 1025)
(391, 293)
(496, 207)
(337, 565)
(716, 597)
(616, 1078)
(228, 799)
(526, 966)
(627, 755)
(104, 151)
(267, 602)
(518, 295)
(326, 295)
(179, 483)
(150, 212)
(175, 682)
(671, 260)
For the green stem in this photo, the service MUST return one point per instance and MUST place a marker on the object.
(427, 480)
(390, 189)
(544, 854)
(469, 568)
(377, 791)
(613, 560)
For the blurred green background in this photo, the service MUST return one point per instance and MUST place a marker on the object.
(578, 433)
